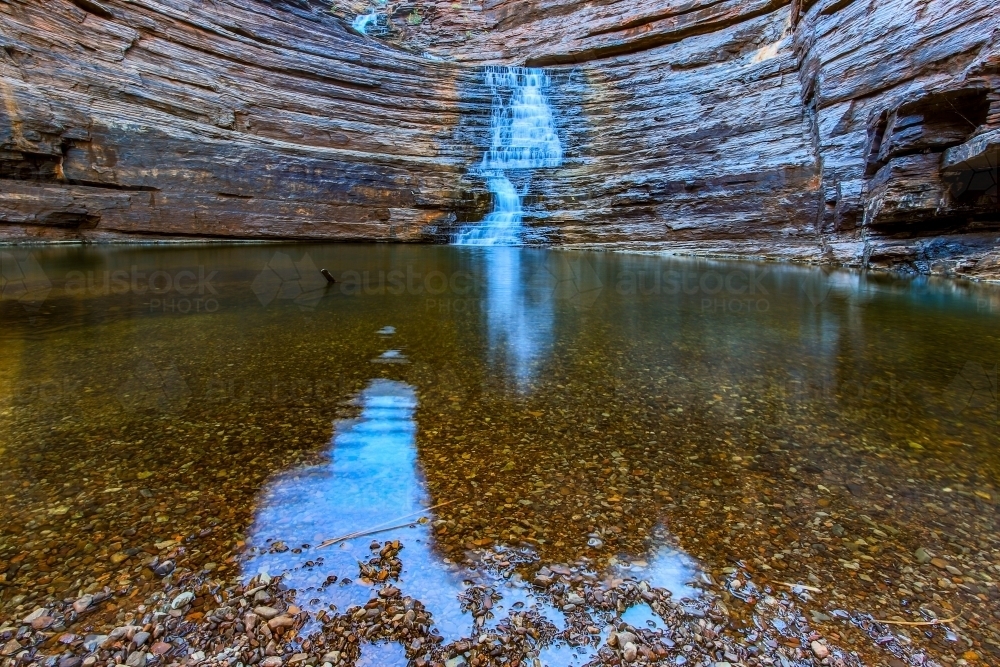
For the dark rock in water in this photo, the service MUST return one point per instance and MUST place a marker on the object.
(164, 568)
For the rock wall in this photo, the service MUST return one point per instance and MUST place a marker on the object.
(852, 132)
(222, 119)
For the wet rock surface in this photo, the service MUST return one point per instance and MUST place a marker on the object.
(861, 134)
(772, 491)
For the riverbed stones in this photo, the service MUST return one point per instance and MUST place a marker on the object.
(182, 600)
(267, 613)
(819, 650)
(160, 648)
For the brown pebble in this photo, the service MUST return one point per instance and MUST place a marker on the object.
(42, 622)
(281, 622)
(267, 613)
(160, 648)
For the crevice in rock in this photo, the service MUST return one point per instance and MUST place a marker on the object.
(94, 8)
(112, 186)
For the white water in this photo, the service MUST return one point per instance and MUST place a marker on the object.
(362, 21)
(523, 139)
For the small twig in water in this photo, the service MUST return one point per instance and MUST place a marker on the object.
(802, 586)
(381, 527)
(936, 621)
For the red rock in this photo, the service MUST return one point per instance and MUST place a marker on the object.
(42, 622)
(282, 621)
(160, 648)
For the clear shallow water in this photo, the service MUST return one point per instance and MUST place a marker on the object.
(627, 416)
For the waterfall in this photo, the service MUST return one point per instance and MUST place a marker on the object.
(523, 139)
(362, 21)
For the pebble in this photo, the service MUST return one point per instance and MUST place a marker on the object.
(267, 613)
(10, 648)
(42, 622)
(281, 622)
(30, 618)
(160, 648)
(819, 650)
(83, 604)
(92, 642)
(164, 568)
(182, 600)
(140, 638)
(271, 661)
(136, 659)
(630, 652)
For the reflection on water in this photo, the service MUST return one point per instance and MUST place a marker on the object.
(519, 320)
(688, 418)
(373, 484)
(373, 480)
(668, 568)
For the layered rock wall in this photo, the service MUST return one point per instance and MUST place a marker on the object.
(843, 131)
(860, 133)
(223, 119)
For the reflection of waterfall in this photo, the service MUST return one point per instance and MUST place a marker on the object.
(519, 318)
(523, 139)
(374, 478)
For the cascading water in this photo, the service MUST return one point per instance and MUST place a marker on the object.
(523, 139)
(362, 21)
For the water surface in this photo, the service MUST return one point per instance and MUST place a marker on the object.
(684, 423)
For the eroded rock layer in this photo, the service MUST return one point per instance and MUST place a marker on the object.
(852, 132)
(223, 119)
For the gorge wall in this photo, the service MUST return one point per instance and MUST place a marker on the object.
(850, 132)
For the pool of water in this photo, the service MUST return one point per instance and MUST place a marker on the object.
(509, 416)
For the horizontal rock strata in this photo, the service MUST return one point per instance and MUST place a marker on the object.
(224, 119)
(836, 131)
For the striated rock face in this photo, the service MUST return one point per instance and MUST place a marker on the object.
(853, 132)
(226, 119)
